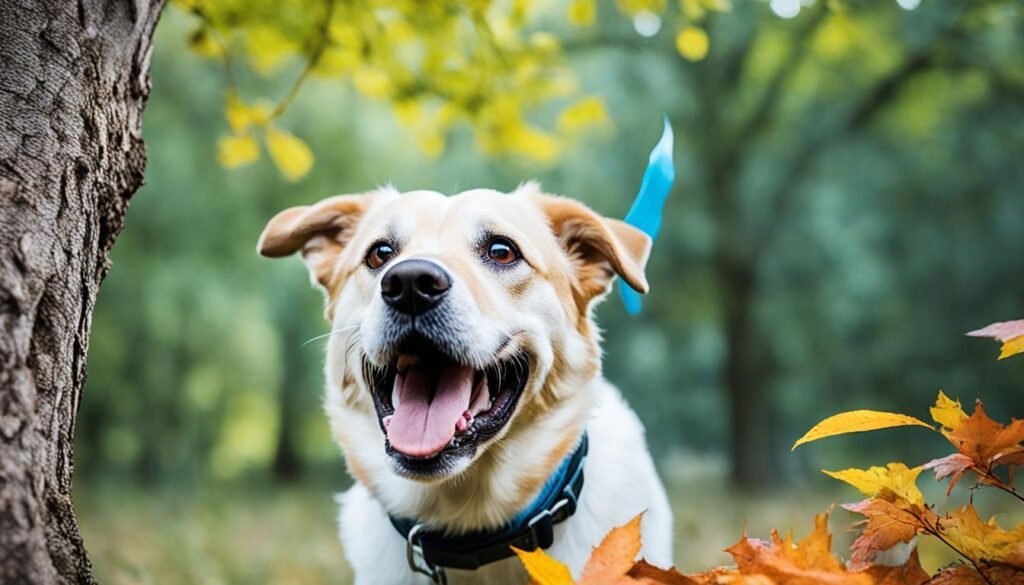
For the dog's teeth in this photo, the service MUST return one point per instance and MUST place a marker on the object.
(394, 397)
(478, 402)
(387, 420)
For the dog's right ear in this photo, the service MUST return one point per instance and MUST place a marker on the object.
(320, 231)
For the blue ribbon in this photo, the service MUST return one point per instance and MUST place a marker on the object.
(649, 204)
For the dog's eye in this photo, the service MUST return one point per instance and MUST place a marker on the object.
(379, 254)
(502, 251)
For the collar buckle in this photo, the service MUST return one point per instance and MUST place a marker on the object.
(418, 562)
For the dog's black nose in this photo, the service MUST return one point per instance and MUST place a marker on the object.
(414, 286)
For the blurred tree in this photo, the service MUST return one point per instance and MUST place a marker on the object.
(491, 65)
(740, 117)
(72, 88)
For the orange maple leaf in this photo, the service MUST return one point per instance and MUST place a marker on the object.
(613, 562)
(888, 524)
(644, 572)
(986, 441)
(909, 573)
(615, 556)
(809, 562)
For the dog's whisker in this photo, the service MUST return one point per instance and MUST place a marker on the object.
(350, 344)
(328, 334)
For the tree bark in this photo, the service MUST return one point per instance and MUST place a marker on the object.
(74, 77)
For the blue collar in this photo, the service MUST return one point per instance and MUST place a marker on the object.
(430, 551)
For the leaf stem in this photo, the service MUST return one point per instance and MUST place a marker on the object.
(225, 49)
(937, 533)
(998, 483)
(322, 41)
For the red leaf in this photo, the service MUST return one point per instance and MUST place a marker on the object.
(952, 465)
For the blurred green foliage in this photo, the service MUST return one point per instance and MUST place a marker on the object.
(849, 202)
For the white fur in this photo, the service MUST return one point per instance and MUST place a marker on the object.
(620, 482)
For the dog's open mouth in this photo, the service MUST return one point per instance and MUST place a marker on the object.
(429, 404)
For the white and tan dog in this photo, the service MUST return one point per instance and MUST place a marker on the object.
(464, 366)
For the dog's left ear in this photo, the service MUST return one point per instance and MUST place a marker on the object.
(320, 231)
(600, 247)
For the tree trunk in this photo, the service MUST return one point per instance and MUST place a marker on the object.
(74, 77)
(750, 447)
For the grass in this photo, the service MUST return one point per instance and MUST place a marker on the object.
(279, 535)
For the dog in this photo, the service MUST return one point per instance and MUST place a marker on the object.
(464, 380)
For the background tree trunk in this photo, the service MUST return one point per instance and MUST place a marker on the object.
(74, 77)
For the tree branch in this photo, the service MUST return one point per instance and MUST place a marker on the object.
(862, 112)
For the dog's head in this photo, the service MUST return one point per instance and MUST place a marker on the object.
(456, 320)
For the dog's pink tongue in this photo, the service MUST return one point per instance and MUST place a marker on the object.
(424, 421)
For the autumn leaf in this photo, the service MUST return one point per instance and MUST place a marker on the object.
(582, 12)
(616, 553)
(241, 116)
(290, 154)
(983, 541)
(809, 562)
(543, 569)
(947, 413)
(987, 442)
(235, 151)
(958, 575)
(857, 421)
(587, 112)
(951, 465)
(909, 573)
(967, 575)
(645, 572)
(895, 478)
(887, 525)
(1011, 333)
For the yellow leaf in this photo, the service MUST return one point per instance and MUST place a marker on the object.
(947, 413)
(979, 540)
(543, 569)
(588, 111)
(267, 48)
(532, 143)
(857, 421)
(631, 8)
(290, 154)
(692, 43)
(693, 9)
(241, 115)
(582, 12)
(895, 477)
(235, 151)
(372, 82)
(545, 43)
(409, 112)
(1012, 347)
(718, 5)
(204, 43)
